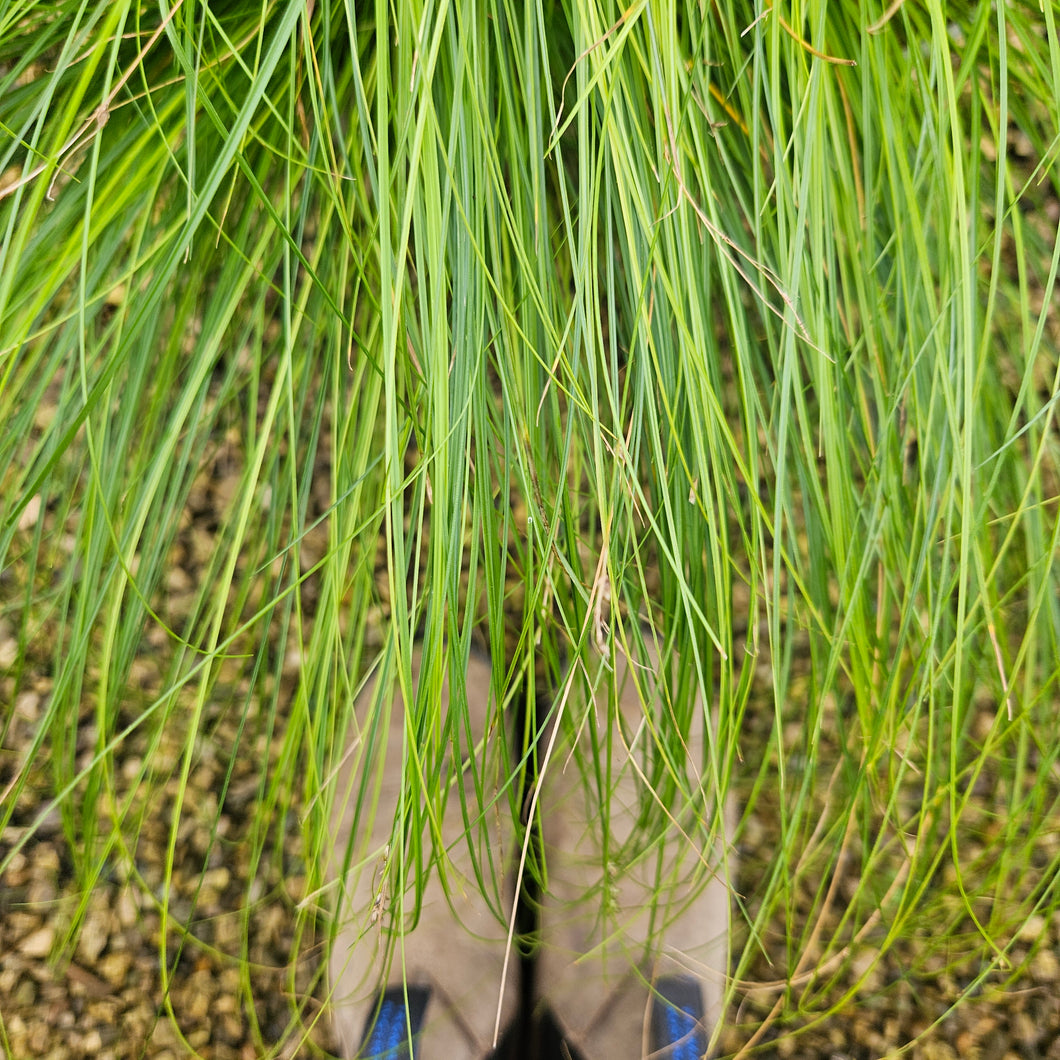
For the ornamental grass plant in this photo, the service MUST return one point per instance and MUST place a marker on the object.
(327, 329)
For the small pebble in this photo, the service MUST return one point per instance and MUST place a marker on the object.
(114, 968)
(39, 943)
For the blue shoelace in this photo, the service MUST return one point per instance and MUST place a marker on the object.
(394, 1023)
(677, 1018)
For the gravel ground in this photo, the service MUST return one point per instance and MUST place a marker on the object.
(239, 962)
(108, 1000)
(243, 980)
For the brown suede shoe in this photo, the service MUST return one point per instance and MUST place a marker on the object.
(635, 910)
(431, 990)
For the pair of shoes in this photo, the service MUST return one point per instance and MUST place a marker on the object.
(633, 910)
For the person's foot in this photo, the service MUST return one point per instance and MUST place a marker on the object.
(635, 910)
(432, 990)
